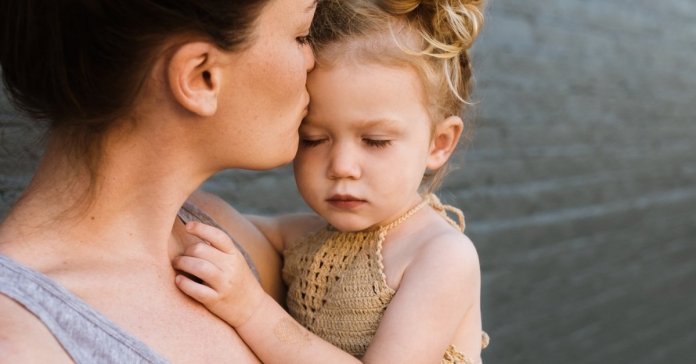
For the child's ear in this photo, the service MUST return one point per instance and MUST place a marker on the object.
(194, 76)
(444, 141)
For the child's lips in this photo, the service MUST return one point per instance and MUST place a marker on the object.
(345, 201)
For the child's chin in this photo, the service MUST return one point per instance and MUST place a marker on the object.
(350, 227)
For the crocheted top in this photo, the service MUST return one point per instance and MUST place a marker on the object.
(337, 287)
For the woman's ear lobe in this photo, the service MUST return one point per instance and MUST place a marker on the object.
(194, 77)
(444, 142)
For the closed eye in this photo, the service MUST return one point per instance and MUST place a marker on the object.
(303, 40)
(309, 143)
(377, 143)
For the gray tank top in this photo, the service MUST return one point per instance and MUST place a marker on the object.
(86, 335)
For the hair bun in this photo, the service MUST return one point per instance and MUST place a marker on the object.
(448, 26)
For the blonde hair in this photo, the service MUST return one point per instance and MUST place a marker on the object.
(431, 36)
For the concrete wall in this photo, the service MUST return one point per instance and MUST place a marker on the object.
(579, 187)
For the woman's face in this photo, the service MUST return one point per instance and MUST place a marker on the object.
(265, 96)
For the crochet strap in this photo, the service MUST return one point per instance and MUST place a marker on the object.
(438, 206)
(405, 216)
(443, 209)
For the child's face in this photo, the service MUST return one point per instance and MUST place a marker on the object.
(365, 144)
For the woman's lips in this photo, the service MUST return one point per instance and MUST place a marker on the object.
(345, 201)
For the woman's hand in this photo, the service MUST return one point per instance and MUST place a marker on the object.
(228, 288)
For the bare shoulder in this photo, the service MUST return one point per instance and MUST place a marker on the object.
(451, 253)
(296, 226)
(448, 242)
(284, 230)
(236, 224)
(216, 207)
(24, 338)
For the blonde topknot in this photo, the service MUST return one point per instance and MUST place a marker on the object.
(448, 28)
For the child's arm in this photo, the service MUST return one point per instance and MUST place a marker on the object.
(284, 230)
(231, 292)
(438, 296)
(435, 294)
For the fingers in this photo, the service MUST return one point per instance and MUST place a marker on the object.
(199, 292)
(208, 272)
(221, 252)
(216, 237)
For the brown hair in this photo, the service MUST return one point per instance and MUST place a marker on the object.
(81, 64)
(431, 36)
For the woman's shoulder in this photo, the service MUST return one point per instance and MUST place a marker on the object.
(215, 207)
(24, 338)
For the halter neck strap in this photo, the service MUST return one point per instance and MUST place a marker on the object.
(438, 206)
(405, 216)
(443, 209)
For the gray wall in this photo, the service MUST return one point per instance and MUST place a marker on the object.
(579, 187)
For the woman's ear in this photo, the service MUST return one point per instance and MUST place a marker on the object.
(444, 141)
(194, 77)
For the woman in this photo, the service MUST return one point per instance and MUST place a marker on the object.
(146, 99)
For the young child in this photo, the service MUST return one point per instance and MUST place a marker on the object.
(390, 278)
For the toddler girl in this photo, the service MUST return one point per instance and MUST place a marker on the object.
(384, 275)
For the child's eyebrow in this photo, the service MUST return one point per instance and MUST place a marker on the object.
(389, 124)
(371, 123)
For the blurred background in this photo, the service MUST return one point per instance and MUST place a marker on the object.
(579, 186)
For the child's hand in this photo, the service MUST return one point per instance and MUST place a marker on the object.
(229, 289)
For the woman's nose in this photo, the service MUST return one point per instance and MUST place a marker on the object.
(309, 58)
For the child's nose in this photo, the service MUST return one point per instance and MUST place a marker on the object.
(344, 163)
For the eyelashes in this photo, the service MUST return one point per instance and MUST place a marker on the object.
(309, 143)
(373, 143)
(303, 40)
(377, 143)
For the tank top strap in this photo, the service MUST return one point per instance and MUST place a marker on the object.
(85, 334)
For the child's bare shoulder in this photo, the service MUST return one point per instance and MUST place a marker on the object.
(301, 226)
(450, 250)
(284, 230)
(444, 266)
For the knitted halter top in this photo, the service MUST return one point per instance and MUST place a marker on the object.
(337, 287)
